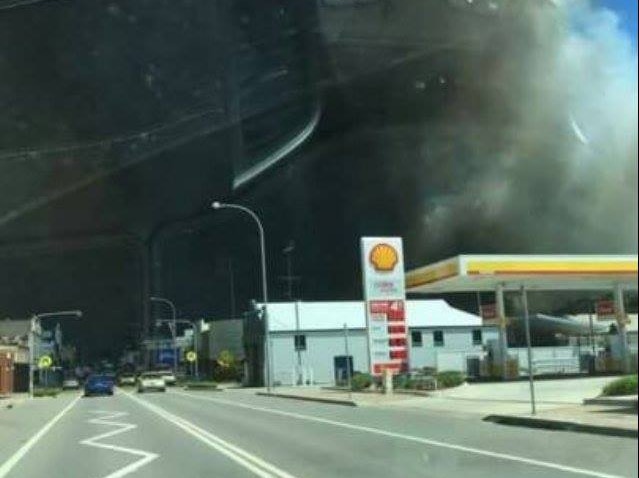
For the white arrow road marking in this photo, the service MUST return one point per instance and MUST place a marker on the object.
(107, 418)
(251, 462)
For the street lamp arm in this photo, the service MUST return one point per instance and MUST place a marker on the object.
(260, 227)
(35, 324)
(44, 315)
(164, 301)
(239, 207)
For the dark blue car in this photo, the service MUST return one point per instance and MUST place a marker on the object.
(99, 385)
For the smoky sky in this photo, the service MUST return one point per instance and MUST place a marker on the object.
(481, 131)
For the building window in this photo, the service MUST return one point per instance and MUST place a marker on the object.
(438, 338)
(300, 342)
(416, 338)
(477, 339)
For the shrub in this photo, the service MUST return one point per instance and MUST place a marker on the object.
(428, 371)
(402, 381)
(449, 379)
(227, 368)
(621, 386)
(360, 381)
(46, 392)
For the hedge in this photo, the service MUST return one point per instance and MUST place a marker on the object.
(449, 379)
(46, 392)
(621, 386)
(360, 381)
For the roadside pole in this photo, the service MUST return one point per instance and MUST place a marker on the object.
(620, 312)
(31, 355)
(503, 333)
(197, 351)
(592, 334)
(524, 302)
(348, 362)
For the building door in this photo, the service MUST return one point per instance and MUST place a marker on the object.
(342, 366)
(6, 373)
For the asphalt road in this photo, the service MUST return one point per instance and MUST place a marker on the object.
(237, 434)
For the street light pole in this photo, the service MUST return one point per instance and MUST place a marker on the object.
(172, 326)
(35, 324)
(267, 346)
(195, 341)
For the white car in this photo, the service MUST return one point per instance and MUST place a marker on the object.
(151, 381)
(70, 384)
(126, 379)
(169, 377)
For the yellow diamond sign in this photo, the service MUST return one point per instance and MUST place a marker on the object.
(45, 361)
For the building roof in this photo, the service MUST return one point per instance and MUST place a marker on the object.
(543, 323)
(605, 324)
(333, 315)
(14, 328)
(467, 273)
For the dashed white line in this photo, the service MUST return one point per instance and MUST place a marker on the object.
(411, 438)
(249, 461)
(8, 465)
(108, 418)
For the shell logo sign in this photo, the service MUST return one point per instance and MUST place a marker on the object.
(383, 257)
(385, 295)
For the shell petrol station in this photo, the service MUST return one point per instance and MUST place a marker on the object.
(522, 273)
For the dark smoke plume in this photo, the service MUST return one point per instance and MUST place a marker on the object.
(549, 143)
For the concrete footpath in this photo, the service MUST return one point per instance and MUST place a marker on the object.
(333, 396)
(9, 401)
(560, 404)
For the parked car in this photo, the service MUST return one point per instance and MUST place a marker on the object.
(151, 381)
(70, 384)
(169, 377)
(126, 379)
(99, 385)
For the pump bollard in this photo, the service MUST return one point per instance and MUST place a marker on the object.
(388, 382)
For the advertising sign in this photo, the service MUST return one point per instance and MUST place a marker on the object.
(606, 310)
(489, 314)
(488, 311)
(166, 356)
(384, 296)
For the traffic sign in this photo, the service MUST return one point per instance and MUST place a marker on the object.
(191, 356)
(45, 361)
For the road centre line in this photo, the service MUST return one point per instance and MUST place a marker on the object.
(8, 465)
(249, 461)
(412, 438)
(107, 418)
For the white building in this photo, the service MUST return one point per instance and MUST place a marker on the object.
(309, 341)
